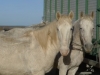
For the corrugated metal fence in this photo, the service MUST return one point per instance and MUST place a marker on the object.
(65, 6)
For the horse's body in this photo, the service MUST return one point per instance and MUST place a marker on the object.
(36, 55)
(82, 38)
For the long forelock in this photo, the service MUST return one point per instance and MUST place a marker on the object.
(77, 24)
(64, 18)
(87, 17)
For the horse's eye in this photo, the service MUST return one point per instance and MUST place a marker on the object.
(57, 29)
(71, 28)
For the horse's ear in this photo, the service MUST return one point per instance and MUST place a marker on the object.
(81, 14)
(92, 15)
(58, 15)
(71, 14)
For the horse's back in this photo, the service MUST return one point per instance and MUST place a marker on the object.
(16, 32)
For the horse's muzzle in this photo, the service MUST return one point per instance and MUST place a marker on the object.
(64, 52)
(88, 47)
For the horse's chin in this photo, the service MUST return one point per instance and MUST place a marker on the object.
(87, 50)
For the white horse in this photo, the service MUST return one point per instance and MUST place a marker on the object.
(36, 55)
(82, 42)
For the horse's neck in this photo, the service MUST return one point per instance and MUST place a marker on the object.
(47, 36)
(76, 36)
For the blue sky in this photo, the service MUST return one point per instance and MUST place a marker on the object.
(21, 12)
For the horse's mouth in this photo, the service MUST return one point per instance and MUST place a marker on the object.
(65, 53)
(88, 51)
(88, 48)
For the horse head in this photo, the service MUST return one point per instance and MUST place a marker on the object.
(86, 31)
(64, 30)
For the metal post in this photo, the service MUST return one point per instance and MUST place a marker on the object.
(86, 6)
(97, 21)
(76, 9)
(68, 6)
(61, 6)
(45, 9)
(55, 7)
(50, 10)
(97, 26)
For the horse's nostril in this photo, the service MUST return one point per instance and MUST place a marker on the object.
(88, 46)
(85, 45)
